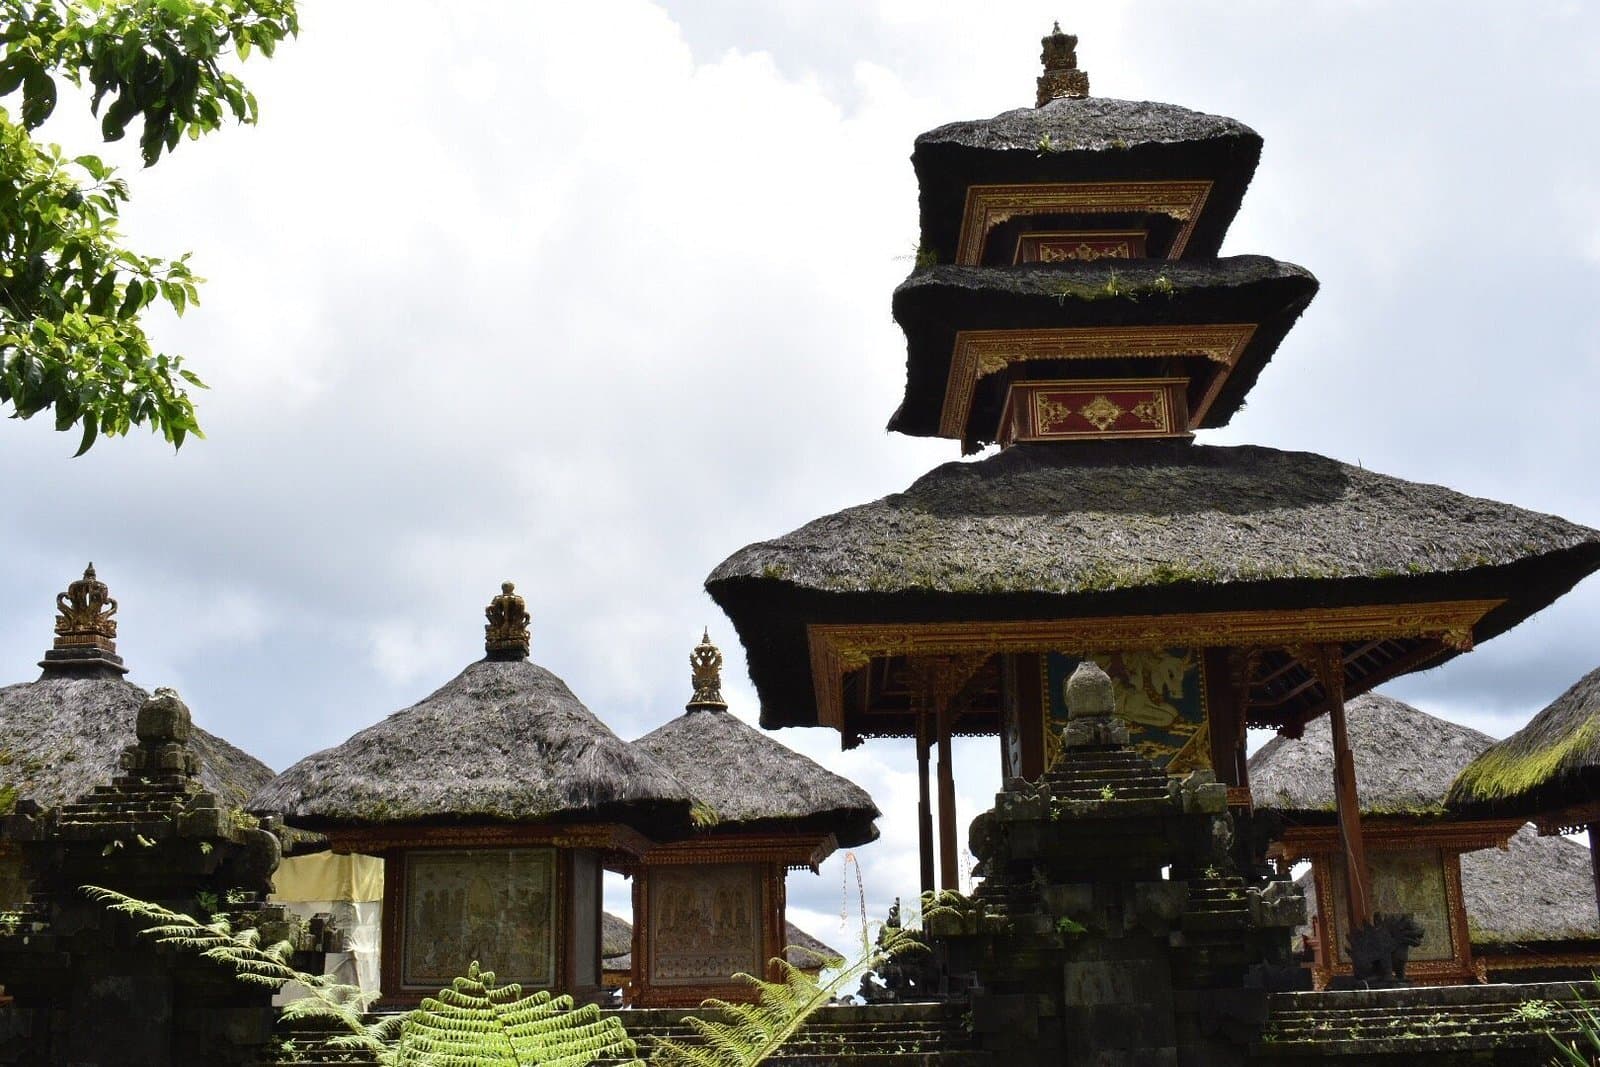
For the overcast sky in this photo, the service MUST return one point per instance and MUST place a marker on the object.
(589, 295)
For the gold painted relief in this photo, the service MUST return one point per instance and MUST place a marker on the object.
(496, 906)
(990, 205)
(705, 923)
(1160, 693)
(1404, 882)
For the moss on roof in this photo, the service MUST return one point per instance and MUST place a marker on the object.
(1552, 762)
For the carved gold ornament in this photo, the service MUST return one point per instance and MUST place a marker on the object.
(86, 611)
(506, 633)
(990, 205)
(705, 670)
(1101, 413)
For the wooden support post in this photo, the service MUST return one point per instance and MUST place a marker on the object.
(924, 743)
(949, 872)
(1329, 668)
(1594, 858)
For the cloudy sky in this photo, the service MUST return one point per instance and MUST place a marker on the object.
(590, 295)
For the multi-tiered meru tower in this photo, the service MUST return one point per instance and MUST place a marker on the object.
(1069, 305)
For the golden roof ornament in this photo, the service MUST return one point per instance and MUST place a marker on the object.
(705, 669)
(506, 634)
(86, 630)
(1061, 77)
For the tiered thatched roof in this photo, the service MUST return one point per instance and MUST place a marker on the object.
(1405, 760)
(1079, 140)
(1132, 528)
(933, 304)
(1550, 764)
(504, 741)
(62, 736)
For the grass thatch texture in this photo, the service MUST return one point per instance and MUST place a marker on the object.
(502, 741)
(1550, 763)
(745, 778)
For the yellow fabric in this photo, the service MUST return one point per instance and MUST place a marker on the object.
(327, 876)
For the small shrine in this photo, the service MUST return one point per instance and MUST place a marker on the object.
(495, 804)
(1404, 762)
(711, 905)
(66, 732)
(1548, 771)
(1069, 305)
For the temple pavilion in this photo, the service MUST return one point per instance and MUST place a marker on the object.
(712, 904)
(65, 733)
(495, 804)
(1071, 317)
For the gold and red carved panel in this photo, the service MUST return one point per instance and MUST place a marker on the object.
(1095, 410)
(1080, 246)
(990, 205)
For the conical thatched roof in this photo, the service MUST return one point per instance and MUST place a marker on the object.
(1551, 763)
(1405, 760)
(1133, 528)
(748, 781)
(800, 948)
(62, 736)
(1079, 140)
(1536, 889)
(505, 740)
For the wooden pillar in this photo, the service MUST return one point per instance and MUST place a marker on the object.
(949, 872)
(1329, 668)
(924, 743)
(1594, 858)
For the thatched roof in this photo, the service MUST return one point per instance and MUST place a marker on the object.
(1080, 140)
(932, 305)
(1131, 528)
(62, 736)
(1405, 760)
(616, 945)
(749, 781)
(1551, 763)
(504, 741)
(1536, 889)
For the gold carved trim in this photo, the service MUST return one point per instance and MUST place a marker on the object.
(990, 205)
(980, 353)
(787, 850)
(374, 839)
(1381, 834)
(836, 649)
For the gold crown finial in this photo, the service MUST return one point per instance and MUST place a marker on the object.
(1061, 77)
(705, 669)
(85, 611)
(506, 635)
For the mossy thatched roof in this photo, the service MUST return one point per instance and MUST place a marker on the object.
(1537, 889)
(1131, 528)
(1082, 140)
(1551, 763)
(747, 780)
(933, 304)
(504, 741)
(62, 736)
(1405, 760)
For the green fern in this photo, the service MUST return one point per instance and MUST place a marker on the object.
(757, 1030)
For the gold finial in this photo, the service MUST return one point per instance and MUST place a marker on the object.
(705, 669)
(85, 619)
(506, 635)
(1061, 77)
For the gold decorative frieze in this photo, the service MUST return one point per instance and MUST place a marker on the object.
(1094, 410)
(1079, 246)
(836, 649)
(980, 353)
(990, 205)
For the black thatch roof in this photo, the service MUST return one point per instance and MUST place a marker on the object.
(505, 740)
(932, 305)
(1131, 528)
(1536, 889)
(62, 736)
(800, 948)
(1551, 763)
(1082, 140)
(748, 781)
(1405, 760)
